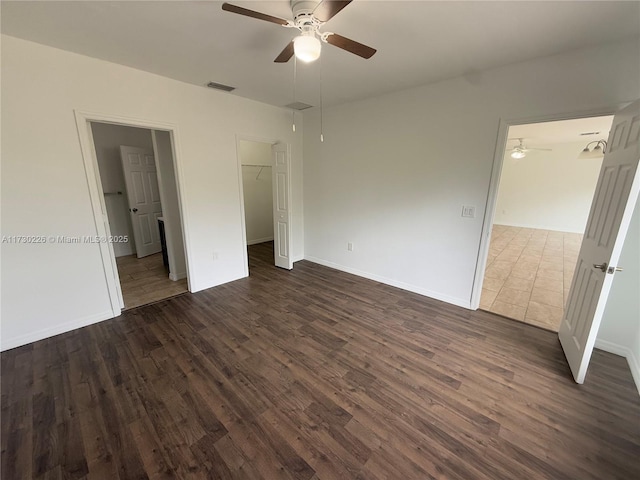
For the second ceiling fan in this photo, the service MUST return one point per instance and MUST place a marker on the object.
(520, 150)
(308, 18)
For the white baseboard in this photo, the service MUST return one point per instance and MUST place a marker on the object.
(626, 352)
(177, 276)
(9, 343)
(539, 227)
(394, 283)
(298, 258)
(259, 240)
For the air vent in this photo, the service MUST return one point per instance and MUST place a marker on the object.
(298, 106)
(589, 133)
(220, 86)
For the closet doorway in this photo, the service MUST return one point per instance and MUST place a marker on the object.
(257, 189)
(265, 172)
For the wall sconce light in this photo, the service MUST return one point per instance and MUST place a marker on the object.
(597, 151)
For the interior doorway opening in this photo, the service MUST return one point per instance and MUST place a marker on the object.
(257, 191)
(137, 177)
(265, 186)
(541, 209)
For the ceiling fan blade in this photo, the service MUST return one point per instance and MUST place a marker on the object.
(286, 54)
(252, 13)
(328, 9)
(350, 45)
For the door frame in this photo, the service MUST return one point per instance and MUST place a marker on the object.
(96, 193)
(496, 172)
(272, 142)
(169, 219)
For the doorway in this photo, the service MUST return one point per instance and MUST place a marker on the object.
(257, 187)
(257, 192)
(542, 204)
(265, 173)
(137, 176)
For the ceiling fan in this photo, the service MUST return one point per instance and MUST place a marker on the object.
(308, 17)
(520, 150)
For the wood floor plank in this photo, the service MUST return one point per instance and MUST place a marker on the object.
(312, 374)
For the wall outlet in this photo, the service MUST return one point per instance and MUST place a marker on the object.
(468, 211)
(350, 246)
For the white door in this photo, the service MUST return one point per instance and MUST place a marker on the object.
(609, 218)
(141, 180)
(281, 206)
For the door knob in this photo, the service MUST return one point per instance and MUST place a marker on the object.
(134, 210)
(601, 266)
(614, 269)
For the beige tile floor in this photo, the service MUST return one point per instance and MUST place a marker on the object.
(146, 280)
(529, 273)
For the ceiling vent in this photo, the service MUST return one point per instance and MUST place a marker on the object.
(298, 106)
(220, 86)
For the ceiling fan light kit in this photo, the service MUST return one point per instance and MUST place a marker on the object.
(520, 150)
(517, 153)
(307, 47)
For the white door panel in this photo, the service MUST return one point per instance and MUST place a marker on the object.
(281, 210)
(141, 180)
(611, 210)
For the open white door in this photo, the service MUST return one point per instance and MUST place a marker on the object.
(141, 180)
(281, 206)
(609, 218)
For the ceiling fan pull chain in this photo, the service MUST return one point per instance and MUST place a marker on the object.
(295, 71)
(321, 125)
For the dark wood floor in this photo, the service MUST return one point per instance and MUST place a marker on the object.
(312, 374)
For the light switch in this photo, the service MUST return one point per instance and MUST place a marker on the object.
(468, 211)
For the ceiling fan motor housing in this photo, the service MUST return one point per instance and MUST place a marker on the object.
(303, 9)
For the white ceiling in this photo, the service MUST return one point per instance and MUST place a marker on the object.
(561, 132)
(418, 42)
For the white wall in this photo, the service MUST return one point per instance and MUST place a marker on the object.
(258, 191)
(51, 288)
(107, 139)
(620, 328)
(170, 205)
(394, 171)
(548, 190)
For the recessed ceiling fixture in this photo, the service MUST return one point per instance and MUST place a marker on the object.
(520, 151)
(308, 17)
(598, 150)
